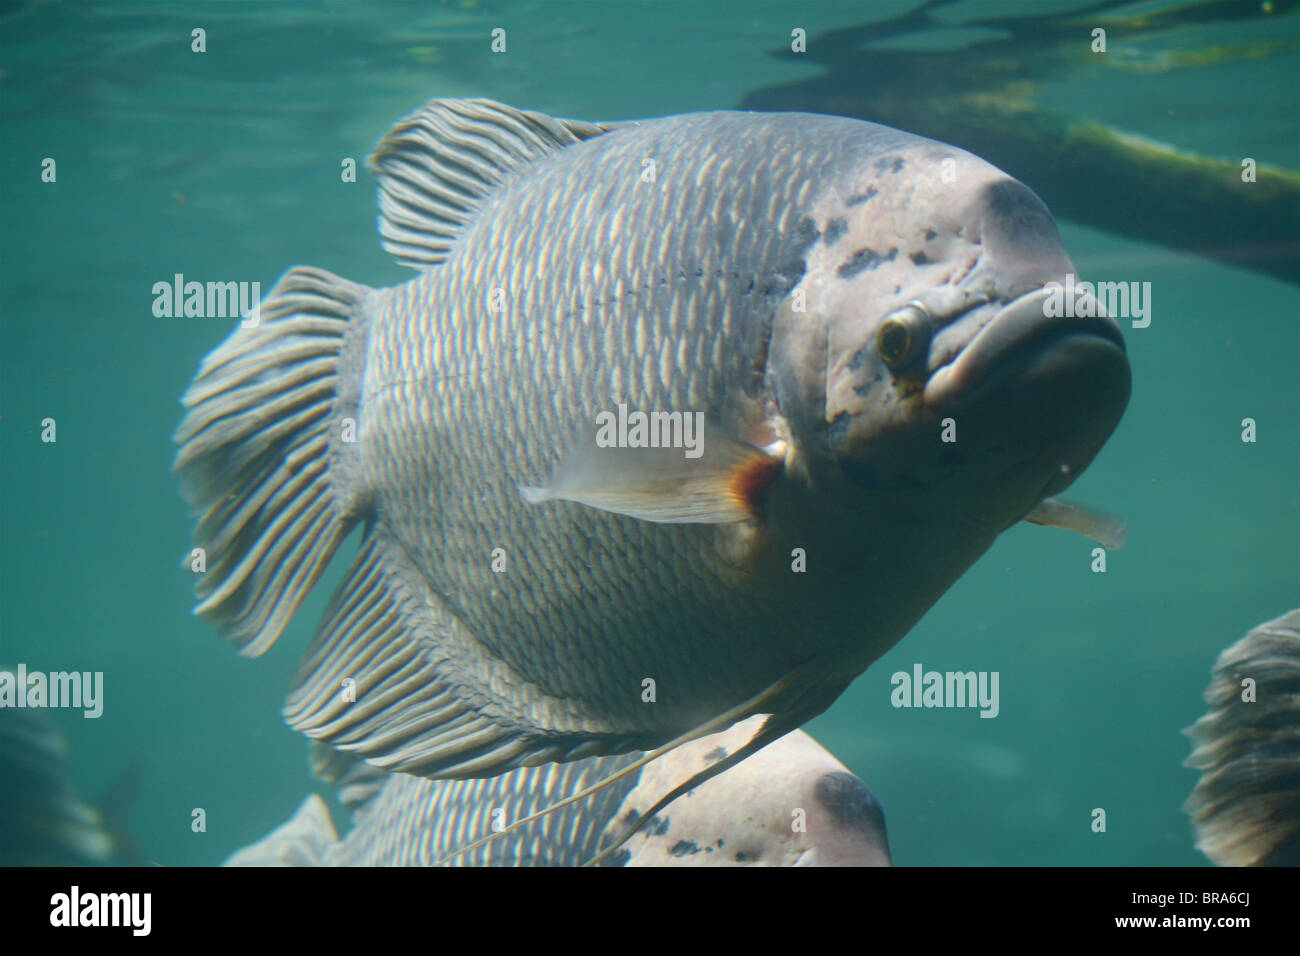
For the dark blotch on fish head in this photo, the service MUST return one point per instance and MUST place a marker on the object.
(784, 276)
(619, 857)
(863, 259)
(851, 804)
(866, 195)
(835, 230)
(846, 824)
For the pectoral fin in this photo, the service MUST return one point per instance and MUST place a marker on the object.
(725, 483)
(1107, 530)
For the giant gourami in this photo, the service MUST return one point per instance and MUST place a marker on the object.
(853, 316)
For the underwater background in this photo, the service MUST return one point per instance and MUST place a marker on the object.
(225, 165)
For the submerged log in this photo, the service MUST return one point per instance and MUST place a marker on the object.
(981, 98)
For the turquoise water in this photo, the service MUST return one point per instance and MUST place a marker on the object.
(226, 165)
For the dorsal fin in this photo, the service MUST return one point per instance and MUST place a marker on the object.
(438, 165)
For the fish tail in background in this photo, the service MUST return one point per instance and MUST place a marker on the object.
(1246, 807)
(262, 459)
(42, 820)
(117, 803)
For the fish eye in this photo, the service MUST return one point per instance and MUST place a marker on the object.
(903, 336)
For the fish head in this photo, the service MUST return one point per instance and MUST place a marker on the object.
(926, 355)
(845, 823)
(792, 803)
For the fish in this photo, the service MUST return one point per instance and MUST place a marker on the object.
(850, 320)
(1245, 808)
(44, 821)
(791, 804)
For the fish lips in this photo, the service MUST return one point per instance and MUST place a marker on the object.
(1036, 383)
(1023, 348)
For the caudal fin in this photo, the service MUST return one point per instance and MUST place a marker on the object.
(263, 449)
(42, 820)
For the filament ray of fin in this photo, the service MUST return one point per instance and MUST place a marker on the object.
(1109, 531)
(754, 705)
(775, 727)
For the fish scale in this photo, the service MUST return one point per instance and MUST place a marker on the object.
(554, 645)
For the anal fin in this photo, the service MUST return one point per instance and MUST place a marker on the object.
(379, 682)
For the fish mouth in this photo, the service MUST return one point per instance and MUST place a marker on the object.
(1022, 345)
